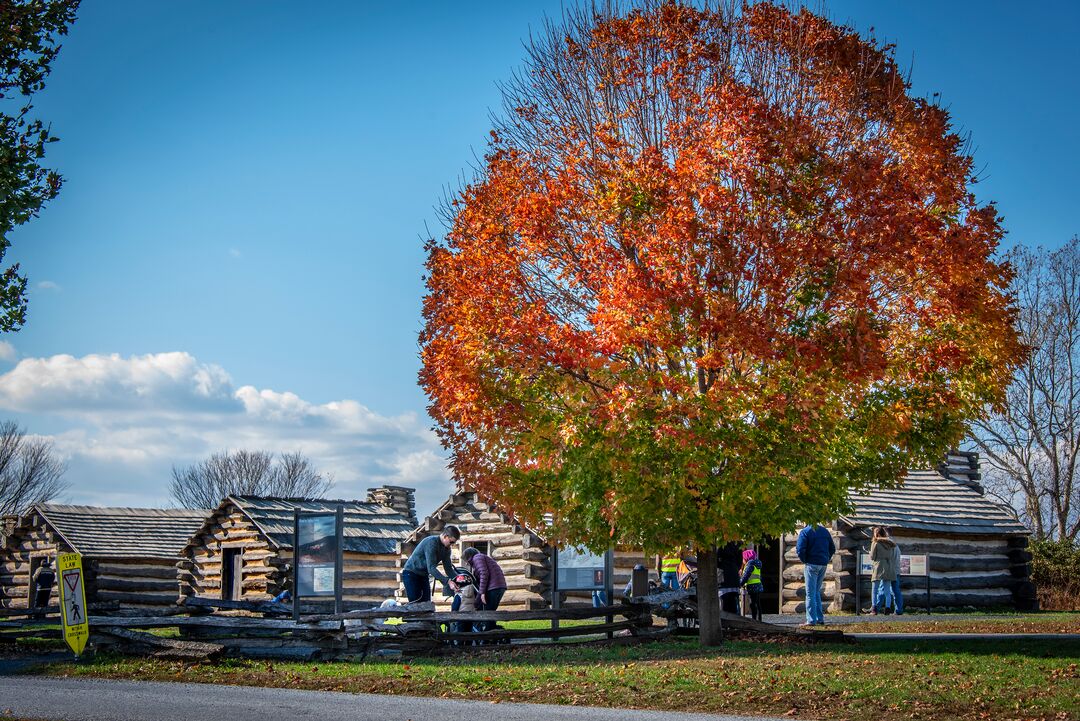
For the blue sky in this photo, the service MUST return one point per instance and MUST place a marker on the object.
(236, 257)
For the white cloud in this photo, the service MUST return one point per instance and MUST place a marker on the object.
(161, 383)
(130, 419)
(49, 285)
(235, 252)
(7, 351)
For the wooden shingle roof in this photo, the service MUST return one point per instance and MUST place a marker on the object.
(369, 527)
(928, 501)
(123, 532)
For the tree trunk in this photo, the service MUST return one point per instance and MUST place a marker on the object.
(708, 598)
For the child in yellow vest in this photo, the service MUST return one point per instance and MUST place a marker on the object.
(750, 578)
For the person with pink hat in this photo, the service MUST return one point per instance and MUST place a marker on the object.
(750, 579)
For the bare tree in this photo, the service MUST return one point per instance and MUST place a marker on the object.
(1033, 444)
(29, 470)
(253, 473)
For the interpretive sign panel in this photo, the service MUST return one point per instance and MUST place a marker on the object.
(909, 565)
(318, 548)
(578, 569)
(316, 555)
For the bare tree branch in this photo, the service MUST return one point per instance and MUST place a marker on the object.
(30, 472)
(248, 473)
(1033, 444)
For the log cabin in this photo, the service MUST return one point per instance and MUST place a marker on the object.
(976, 549)
(129, 554)
(244, 549)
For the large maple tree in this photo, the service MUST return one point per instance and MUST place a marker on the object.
(718, 267)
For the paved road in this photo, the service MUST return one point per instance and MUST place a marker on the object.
(68, 699)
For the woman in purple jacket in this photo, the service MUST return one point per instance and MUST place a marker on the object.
(490, 582)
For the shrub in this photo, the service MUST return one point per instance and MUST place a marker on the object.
(1055, 570)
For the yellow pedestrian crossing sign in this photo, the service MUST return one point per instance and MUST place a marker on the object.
(73, 601)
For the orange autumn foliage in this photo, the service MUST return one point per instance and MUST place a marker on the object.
(717, 269)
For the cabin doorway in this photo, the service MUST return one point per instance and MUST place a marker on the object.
(31, 592)
(771, 570)
(232, 574)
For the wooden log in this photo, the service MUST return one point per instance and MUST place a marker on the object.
(658, 599)
(400, 611)
(14, 635)
(163, 647)
(538, 633)
(957, 599)
(945, 564)
(159, 599)
(563, 614)
(55, 609)
(237, 622)
(257, 606)
(136, 585)
(116, 570)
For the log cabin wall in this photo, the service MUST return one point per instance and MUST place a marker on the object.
(128, 554)
(229, 532)
(22, 550)
(248, 541)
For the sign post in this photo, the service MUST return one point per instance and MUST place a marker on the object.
(577, 569)
(318, 556)
(73, 601)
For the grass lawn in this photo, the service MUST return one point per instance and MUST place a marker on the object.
(881, 680)
(1059, 622)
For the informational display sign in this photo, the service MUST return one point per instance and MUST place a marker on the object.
(316, 554)
(580, 570)
(73, 601)
(913, 565)
(909, 565)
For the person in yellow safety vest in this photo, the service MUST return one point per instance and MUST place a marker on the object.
(669, 571)
(750, 579)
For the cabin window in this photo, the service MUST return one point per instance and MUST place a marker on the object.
(232, 574)
(483, 546)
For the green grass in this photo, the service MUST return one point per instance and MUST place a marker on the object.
(1056, 622)
(880, 680)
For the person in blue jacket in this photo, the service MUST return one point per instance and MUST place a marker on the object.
(815, 548)
(423, 565)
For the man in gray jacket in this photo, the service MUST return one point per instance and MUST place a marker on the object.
(424, 563)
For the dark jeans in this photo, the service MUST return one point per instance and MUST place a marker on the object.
(417, 587)
(41, 600)
(493, 596)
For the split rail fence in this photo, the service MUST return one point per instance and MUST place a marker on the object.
(208, 629)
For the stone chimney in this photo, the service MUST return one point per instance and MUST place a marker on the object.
(399, 498)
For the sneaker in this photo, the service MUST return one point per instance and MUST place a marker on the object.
(873, 611)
